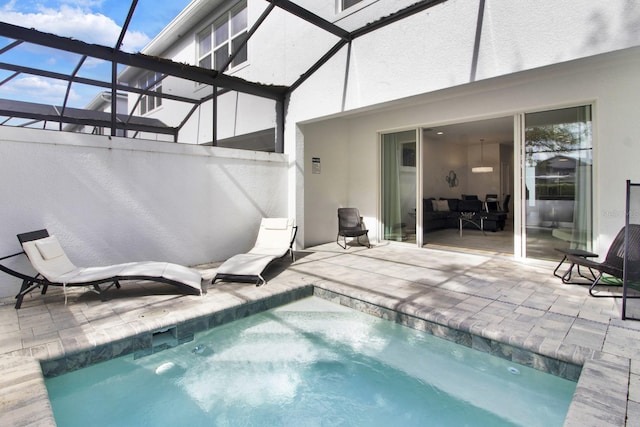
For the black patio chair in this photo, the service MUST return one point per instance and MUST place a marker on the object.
(613, 263)
(350, 224)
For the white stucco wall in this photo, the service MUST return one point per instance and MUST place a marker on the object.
(112, 200)
(328, 190)
(428, 60)
(434, 49)
(605, 80)
(239, 113)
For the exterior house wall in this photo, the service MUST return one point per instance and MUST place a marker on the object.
(329, 189)
(449, 60)
(603, 80)
(112, 200)
(170, 112)
(436, 51)
(238, 113)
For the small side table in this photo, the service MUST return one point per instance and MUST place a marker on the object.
(470, 217)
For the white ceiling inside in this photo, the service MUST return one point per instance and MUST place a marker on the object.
(499, 130)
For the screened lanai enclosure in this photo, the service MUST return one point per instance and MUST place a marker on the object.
(209, 78)
(124, 86)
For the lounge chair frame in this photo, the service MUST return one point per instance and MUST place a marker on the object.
(30, 283)
(567, 276)
(258, 279)
(612, 265)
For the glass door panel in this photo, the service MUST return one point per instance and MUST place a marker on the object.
(399, 172)
(558, 181)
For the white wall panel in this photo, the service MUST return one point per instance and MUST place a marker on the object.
(604, 80)
(112, 200)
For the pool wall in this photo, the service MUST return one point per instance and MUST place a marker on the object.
(171, 334)
(564, 369)
(147, 342)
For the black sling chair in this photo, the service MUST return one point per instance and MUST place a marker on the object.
(613, 263)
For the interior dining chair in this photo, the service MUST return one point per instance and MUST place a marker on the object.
(505, 204)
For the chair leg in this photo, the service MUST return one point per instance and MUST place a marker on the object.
(26, 287)
(19, 298)
(566, 277)
(595, 283)
(555, 272)
(21, 294)
(568, 274)
(100, 293)
(338, 242)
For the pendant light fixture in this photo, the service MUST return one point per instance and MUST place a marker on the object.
(482, 168)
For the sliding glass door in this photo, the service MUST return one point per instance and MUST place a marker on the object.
(399, 189)
(558, 162)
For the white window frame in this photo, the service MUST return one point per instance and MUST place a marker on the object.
(208, 46)
(150, 103)
(342, 7)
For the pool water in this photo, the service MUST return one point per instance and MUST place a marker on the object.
(311, 363)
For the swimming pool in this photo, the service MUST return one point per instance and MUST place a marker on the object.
(311, 362)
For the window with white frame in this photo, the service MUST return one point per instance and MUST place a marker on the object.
(346, 4)
(223, 37)
(151, 81)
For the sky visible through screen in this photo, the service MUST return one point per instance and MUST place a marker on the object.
(91, 21)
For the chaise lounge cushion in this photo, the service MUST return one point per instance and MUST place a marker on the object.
(245, 265)
(49, 248)
(49, 259)
(274, 240)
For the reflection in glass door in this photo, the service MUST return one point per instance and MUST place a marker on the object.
(558, 181)
(399, 161)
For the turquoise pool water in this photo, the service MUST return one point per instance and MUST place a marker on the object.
(311, 363)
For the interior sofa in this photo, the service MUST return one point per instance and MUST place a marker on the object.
(443, 213)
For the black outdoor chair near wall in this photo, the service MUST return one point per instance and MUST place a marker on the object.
(613, 263)
(350, 224)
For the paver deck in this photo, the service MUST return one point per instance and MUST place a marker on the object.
(516, 309)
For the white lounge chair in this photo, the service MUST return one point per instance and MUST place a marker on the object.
(275, 240)
(50, 261)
